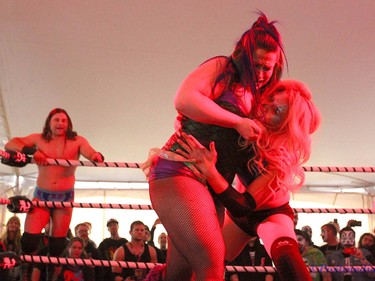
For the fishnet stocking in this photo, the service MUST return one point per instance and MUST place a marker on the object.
(187, 211)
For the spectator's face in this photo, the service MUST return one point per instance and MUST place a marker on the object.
(138, 232)
(83, 232)
(147, 235)
(162, 239)
(13, 226)
(367, 241)
(301, 243)
(113, 228)
(347, 239)
(307, 229)
(324, 234)
(75, 250)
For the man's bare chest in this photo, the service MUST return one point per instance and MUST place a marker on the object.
(60, 149)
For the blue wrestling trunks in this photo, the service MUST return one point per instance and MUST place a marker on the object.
(62, 196)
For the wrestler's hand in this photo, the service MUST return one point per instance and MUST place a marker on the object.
(152, 155)
(204, 160)
(157, 221)
(98, 157)
(40, 158)
(249, 129)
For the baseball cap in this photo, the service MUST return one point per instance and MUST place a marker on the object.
(111, 220)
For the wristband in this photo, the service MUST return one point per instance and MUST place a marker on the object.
(29, 150)
(238, 204)
(101, 156)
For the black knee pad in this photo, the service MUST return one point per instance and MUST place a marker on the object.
(30, 242)
(288, 260)
(56, 246)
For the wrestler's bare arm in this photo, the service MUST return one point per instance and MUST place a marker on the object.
(194, 99)
(33, 141)
(263, 189)
(87, 151)
(18, 143)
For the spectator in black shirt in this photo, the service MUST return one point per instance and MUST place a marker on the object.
(109, 245)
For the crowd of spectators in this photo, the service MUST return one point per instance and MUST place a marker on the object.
(339, 248)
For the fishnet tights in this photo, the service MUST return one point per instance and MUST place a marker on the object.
(187, 211)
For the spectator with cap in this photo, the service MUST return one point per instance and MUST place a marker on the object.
(109, 245)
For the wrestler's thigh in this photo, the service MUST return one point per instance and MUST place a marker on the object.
(36, 220)
(188, 213)
(235, 238)
(178, 267)
(60, 221)
(274, 227)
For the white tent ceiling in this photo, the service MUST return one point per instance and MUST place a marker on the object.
(115, 66)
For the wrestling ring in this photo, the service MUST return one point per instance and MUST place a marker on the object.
(141, 265)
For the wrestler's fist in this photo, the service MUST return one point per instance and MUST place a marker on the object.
(20, 204)
(98, 157)
(15, 158)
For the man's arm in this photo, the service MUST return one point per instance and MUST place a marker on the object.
(234, 277)
(153, 254)
(29, 146)
(119, 255)
(153, 228)
(88, 151)
(19, 143)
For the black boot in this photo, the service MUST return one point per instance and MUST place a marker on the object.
(26, 270)
(56, 246)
